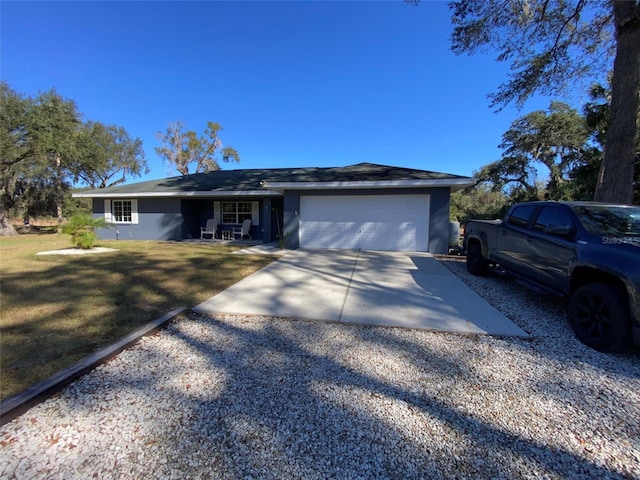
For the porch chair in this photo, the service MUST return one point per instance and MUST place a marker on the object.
(210, 228)
(244, 230)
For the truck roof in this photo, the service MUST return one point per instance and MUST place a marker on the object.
(577, 203)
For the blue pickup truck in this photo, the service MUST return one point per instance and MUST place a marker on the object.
(585, 251)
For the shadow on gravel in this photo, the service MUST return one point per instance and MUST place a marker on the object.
(287, 411)
(543, 316)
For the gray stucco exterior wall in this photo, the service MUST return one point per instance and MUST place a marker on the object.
(158, 219)
(291, 220)
(439, 220)
(438, 212)
(177, 219)
(265, 216)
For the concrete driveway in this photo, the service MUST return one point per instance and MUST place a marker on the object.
(392, 289)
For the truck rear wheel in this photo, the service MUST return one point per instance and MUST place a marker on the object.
(599, 316)
(476, 263)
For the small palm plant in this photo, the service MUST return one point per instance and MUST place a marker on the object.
(82, 228)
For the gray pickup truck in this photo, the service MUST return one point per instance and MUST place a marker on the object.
(588, 252)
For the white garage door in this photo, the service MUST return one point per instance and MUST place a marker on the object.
(369, 222)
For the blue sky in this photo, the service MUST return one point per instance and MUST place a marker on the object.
(292, 83)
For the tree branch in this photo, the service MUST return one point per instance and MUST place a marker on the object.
(24, 156)
(576, 13)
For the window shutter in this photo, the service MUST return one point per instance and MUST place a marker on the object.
(134, 211)
(216, 212)
(255, 213)
(107, 211)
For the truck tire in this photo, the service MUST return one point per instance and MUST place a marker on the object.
(476, 263)
(599, 316)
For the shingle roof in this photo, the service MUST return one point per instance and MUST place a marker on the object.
(256, 180)
(367, 172)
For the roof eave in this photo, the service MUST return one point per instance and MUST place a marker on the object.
(191, 194)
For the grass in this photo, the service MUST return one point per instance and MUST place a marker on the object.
(56, 309)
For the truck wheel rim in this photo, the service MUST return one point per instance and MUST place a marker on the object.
(593, 317)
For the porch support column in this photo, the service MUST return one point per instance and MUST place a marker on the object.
(266, 220)
(292, 219)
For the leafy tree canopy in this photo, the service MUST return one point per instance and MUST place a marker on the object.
(45, 148)
(551, 45)
(181, 149)
(479, 202)
(554, 154)
(37, 146)
(106, 154)
(555, 139)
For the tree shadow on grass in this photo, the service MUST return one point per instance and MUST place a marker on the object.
(56, 315)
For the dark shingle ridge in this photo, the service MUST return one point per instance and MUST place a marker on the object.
(252, 179)
(361, 172)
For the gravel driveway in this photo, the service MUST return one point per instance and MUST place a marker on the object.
(254, 397)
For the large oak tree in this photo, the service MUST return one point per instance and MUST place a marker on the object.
(181, 149)
(45, 148)
(106, 154)
(36, 135)
(555, 139)
(551, 45)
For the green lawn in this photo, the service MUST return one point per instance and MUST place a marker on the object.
(56, 309)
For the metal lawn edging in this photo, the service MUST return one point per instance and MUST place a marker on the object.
(17, 404)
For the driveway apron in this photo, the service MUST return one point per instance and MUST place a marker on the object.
(390, 289)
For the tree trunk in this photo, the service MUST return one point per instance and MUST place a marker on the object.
(615, 181)
(59, 196)
(6, 228)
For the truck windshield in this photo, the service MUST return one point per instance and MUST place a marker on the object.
(610, 220)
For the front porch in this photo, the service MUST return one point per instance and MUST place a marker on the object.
(218, 241)
(265, 215)
(248, 246)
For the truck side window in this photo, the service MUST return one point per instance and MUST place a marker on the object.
(552, 216)
(520, 215)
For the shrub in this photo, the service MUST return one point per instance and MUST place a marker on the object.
(82, 228)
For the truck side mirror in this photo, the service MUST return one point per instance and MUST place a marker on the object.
(558, 230)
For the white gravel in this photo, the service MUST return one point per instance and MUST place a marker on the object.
(79, 251)
(254, 397)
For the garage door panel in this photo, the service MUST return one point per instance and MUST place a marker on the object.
(329, 234)
(371, 222)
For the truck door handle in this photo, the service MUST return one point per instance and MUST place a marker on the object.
(530, 239)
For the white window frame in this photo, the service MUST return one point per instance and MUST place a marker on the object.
(109, 211)
(253, 213)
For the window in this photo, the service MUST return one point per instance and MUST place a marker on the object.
(520, 216)
(552, 216)
(121, 211)
(609, 220)
(236, 212)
